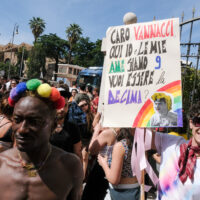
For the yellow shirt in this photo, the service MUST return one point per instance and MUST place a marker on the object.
(184, 135)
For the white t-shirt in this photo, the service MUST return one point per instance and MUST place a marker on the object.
(170, 186)
(169, 120)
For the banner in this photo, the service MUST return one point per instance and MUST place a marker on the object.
(143, 75)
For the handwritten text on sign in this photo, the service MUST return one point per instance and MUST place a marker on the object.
(139, 60)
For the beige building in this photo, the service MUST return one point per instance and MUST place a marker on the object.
(8, 53)
(68, 71)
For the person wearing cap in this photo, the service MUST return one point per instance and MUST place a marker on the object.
(34, 169)
(179, 176)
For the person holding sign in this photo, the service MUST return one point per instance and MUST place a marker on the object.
(123, 185)
(163, 116)
(180, 164)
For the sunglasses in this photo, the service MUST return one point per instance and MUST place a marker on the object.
(196, 121)
(83, 105)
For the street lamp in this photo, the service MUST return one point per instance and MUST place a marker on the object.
(15, 31)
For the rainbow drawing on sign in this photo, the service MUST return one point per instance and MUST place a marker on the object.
(147, 111)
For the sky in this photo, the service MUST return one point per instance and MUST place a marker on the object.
(93, 16)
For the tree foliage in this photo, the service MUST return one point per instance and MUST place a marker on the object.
(98, 56)
(37, 26)
(22, 55)
(83, 52)
(188, 87)
(1, 56)
(73, 32)
(87, 53)
(5, 67)
(36, 62)
(54, 47)
(75, 50)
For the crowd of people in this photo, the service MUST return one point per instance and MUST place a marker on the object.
(53, 147)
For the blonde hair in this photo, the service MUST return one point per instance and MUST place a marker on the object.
(163, 97)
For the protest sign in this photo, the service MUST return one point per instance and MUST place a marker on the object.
(102, 88)
(143, 75)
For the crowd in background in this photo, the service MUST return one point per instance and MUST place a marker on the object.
(104, 152)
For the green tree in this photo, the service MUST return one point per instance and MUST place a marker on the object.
(73, 32)
(188, 87)
(54, 47)
(22, 55)
(98, 55)
(83, 52)
(36, 62)
(37, 26)
(87, 53)
(1, 56)
(5, 67)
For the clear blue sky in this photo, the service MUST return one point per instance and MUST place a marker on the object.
(93, 16)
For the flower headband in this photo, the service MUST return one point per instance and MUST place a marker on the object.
(43, 90)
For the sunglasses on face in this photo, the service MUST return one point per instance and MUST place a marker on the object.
(83, 105)
(196, 121)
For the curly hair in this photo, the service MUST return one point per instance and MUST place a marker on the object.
(163, 97)
(194, 111)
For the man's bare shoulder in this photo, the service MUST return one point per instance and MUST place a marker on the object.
(9, 155)
(66, 158)
(70, 162)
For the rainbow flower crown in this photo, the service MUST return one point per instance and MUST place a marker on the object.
(43, 90)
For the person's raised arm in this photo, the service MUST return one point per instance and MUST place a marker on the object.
(113, 174)
(101, 138)
(97, 117)
(97, 140)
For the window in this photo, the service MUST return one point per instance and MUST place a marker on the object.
(74, 72)
(70, 70)
(61, 69)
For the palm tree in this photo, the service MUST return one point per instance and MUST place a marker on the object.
(73, 32)
(37, 26)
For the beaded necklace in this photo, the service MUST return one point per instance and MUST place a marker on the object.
(30, 167)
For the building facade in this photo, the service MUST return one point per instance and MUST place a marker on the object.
(8, 53)
(69, 71)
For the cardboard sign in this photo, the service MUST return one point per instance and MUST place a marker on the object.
(143, 75)
(102, 88)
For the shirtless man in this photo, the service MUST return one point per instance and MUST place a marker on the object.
(35, 169)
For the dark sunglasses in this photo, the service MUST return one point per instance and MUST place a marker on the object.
(83, 105)
(196, 121)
